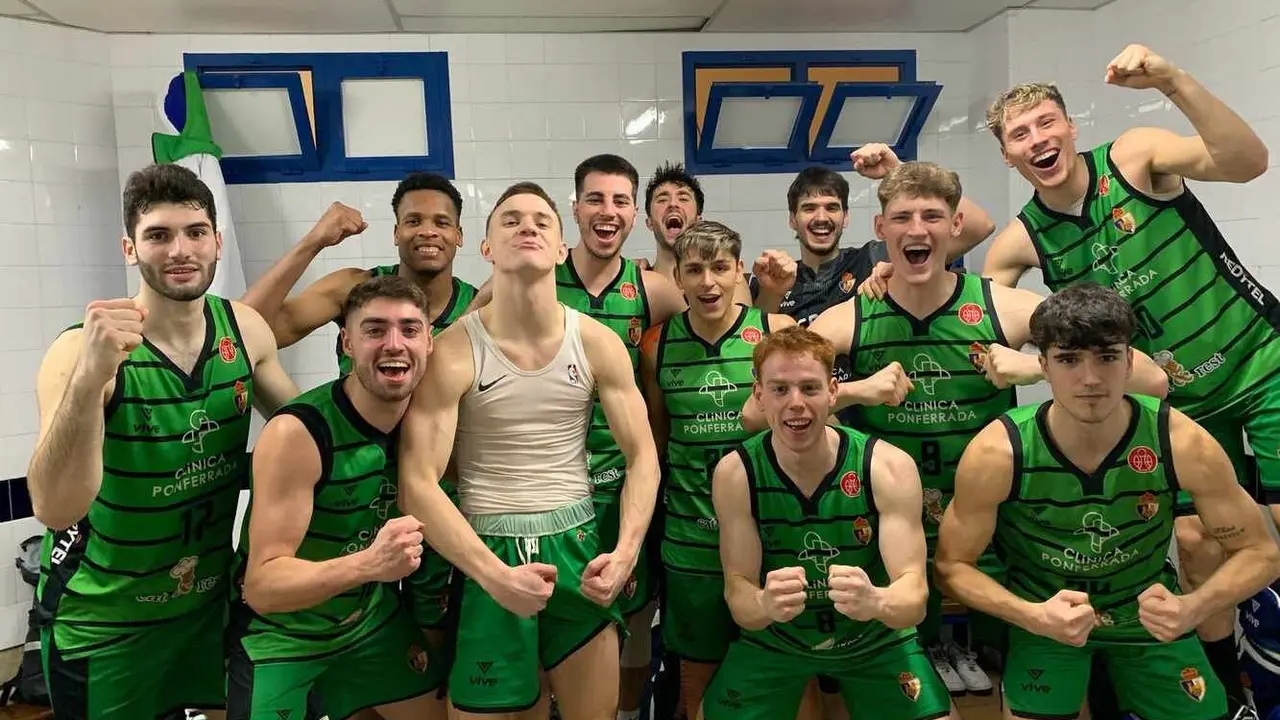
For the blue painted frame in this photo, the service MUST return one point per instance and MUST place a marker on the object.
(269, 168)
(796, 141)
(799, 62)
(328, 70)
(925, 94)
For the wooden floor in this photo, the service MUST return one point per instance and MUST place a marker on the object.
(21, 712)
(975, 707)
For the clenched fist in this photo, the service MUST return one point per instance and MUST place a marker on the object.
(397, 550)
(1068, 618)
(338, 223)
(1005, 366)
(889, 386)
(775, 270)
(873, 161)
(1165, 615)
(783, 596)
(112, 330)
(1137, 67)
(852, 593)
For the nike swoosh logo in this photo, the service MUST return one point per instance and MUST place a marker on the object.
(485, 386)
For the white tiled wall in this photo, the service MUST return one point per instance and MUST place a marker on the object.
(525, 107)
(59, 196)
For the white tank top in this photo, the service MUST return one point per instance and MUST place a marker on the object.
(521, 437)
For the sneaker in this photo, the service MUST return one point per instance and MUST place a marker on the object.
(965, 662)
(950, 678)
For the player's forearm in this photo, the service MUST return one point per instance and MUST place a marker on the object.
(1237, 151)
(767, 302)
(743, 598)
(978, 591)
(268, 295)
(853, 392)
(289, 584)
(447, 531)
(904, 601)
(1244, 573)
(977, 226)
(639, 496)
(65, 471)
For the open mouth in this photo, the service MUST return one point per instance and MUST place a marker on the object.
(673, 224)
(822, 231)
(708, 301)
(917, 254)
(797, 424)
(394, 370)
(428, 251)
(606, 231)
(1046, 159)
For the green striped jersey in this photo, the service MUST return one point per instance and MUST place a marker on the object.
(156, 542)
(460, 297)
(952, 399)
(351, 502)
(1202, 316)
(624, 308)
(1106, 532)
(704, 385)
(837, 525)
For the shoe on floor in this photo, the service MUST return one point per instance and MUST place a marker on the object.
(950, 678)
(965, 662)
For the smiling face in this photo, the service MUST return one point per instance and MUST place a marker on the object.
(176, 250)
(794, 386)
(605, 212)
(427, 232)
(917, 232)
(1037, 137)
(673, 208)
(819, 222)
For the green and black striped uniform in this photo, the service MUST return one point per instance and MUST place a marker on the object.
(837, 525)
(1106, 532)
(704, 386)
(156, 543)
(1202, 316)
(952, 399)
(461, 296)
(352, 500)
(623, 307)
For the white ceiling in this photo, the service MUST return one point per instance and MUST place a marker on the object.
(511, 16)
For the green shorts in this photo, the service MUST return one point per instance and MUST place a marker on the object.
(1258, 417)
(696, 623)
(127, 673)
(425, 593)
(497, 654)
(640, 589)
(754, 683)
(389, 663)
(1160, 681)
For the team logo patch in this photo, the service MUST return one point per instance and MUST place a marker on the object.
(933, 505)
(1142, 459)
(628, 291)
(630, 588)
(242, 397)
(1105, 619)
(751, 335)
(227, 349)
(977, 356)
(1148, 506)
(862, 530)
(1193, 684)
(573, 374)
(1177, 372)
(846, 283)
(851, 485)
(582, 535)
(1104, 185)
(417, 658)
(970, 313)
(910, 685)
(185, 573)
(633, 331)
(1123, 220)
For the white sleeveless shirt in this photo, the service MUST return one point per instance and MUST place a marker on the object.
(521, 437)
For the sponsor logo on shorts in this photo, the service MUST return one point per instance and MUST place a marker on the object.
(582, 535)
(630, 588)
(417, 658)
(482, 677)
(1148, 506)
(910, 685)
(227, 349)
(1033, 684)
(970, 313)
(185, 573)
(851, 485)
(751, 335)
(862, 530)
(1193, 684)
(1142, 459)
(628, 291)
(846, 283)
(731, 699)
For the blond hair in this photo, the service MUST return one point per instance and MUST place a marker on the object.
(920, 180)
(1021, 97)
(706, 239)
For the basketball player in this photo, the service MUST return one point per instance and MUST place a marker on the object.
(1078, 493)
(428, 233)
(1121, 215)
(315, 609)
(516, 379)
(144, 422)
(697, 370)
(833, 601)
